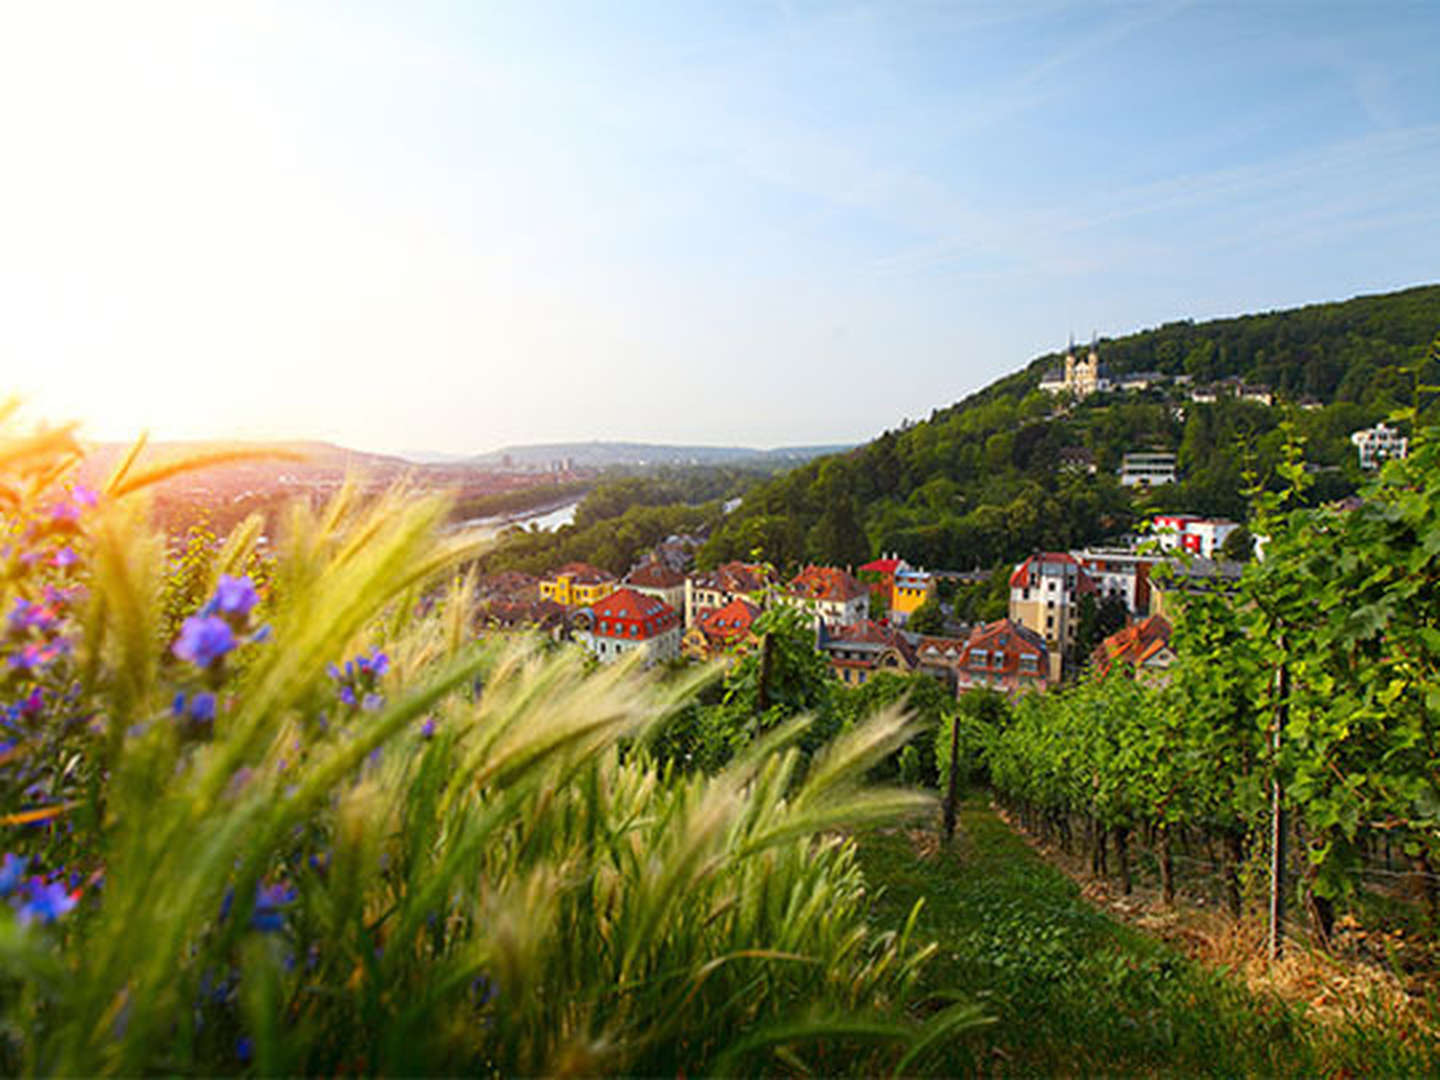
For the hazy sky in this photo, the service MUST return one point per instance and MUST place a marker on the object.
(454, 226)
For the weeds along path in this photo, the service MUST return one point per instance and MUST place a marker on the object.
(1073, 991)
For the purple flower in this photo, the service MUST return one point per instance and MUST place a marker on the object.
(64, 558)
(375, 665)
(202, 708)
(269, 899)
(204, 639)
(12, 871)
(233, 596)
(36, 655)
(244, 1048)
(27, 616)
(347, 695)
(427, 729)
(44, 901)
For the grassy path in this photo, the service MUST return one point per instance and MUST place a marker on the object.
(1075, 992)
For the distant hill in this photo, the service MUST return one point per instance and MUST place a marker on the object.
(992, 478)
(601, 455)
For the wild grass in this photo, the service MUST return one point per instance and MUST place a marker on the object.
(477, 868)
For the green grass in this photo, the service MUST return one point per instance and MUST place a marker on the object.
(1072, 991)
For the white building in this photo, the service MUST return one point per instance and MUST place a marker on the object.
(1378, 445)
(1189, 532)
(1147, 467)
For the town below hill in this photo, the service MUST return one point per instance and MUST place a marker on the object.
(1052, 616)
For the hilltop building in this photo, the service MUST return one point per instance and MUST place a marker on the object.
(654, 577)
(902, 587)
(1080, 378)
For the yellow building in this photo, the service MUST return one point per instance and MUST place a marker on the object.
(577, 585)
(912, 589)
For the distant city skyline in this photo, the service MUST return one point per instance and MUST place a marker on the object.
(447, 228)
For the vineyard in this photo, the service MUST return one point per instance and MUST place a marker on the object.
(1298, 732)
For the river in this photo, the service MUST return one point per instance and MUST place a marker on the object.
(547, 519)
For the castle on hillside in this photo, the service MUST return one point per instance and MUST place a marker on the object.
(1081, 378)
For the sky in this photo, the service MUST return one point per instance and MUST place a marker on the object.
(451, 227)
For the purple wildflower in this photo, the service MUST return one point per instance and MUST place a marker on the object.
(269, 899)
(44, 901)
(233, 596)
(204, 639)
(27, 616)
(427, 729)
(347, 695)
(12, 871)
(244, 1048)
(64, 558)
(202, 708)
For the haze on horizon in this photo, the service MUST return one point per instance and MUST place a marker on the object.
(449, 227)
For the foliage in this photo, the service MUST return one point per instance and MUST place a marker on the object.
(1355, 696)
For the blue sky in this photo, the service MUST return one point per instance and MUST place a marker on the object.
(455, 226)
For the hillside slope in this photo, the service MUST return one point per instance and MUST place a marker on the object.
(981, 481)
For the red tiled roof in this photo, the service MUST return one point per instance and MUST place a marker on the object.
(826, 583)
(655, 575)
(883, 566)
(731, 621)
(628, 604)
(1133, 645)
(1083, 581)
(583, 573)
(873, 633)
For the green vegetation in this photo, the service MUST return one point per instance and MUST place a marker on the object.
(981, 482)
(624, 516)
(236, 850)
(1073, 992)
(1353, 696)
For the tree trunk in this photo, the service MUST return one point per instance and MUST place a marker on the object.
(1122, 856)
(952, 799)
(1167, 869)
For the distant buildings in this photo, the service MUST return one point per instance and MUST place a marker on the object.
(1142, 650)
(1378, 445)
(1187, 532)
(1005, 656)
(713, 589)
(722, 630)
(831, 596)
(577, 585)
(857, 652)
(625, 621)
(1080, 378)
(1045, 592)
(1147, 467)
